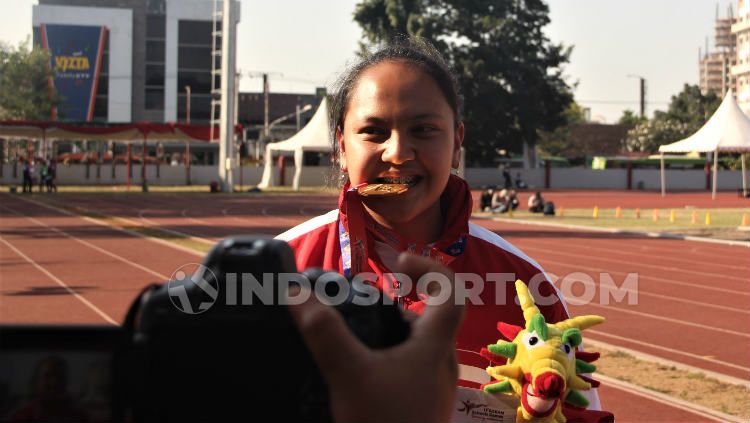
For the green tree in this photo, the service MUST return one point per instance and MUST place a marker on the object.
(688, 111)
(558, 141)
(631, 119)
(510, 73)
(691, 107)
(24, 83)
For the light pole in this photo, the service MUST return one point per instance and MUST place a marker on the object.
(297, 112)
(188, 92)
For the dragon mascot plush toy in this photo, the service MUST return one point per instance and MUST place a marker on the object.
(540, 364)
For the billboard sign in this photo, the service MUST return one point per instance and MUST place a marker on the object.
(75, 59)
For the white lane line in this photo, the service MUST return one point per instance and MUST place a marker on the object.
(654, 278)
(183, 213)
(92, 246)
(140, 216)
(644, 253)
(226, 214)
(57, 280)
(654, 235)
(669, 350)
(671, 401)
(595, 344)
(639, 264)
(673, 298)
(666, 319)
(127, 231)
(264, 211)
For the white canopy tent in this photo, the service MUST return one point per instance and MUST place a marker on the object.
(313, 137)
(727, 131)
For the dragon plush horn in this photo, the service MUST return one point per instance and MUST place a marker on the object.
(579, 322)
(527, 301)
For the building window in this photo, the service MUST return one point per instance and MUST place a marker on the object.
(195, 32)
(155, 75)
(154, 65)
(155, 98)
(194, 68)
(194, 58)
(155, 51)
(155, 26)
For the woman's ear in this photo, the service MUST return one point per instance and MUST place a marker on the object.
(342, 149)
(458, 141)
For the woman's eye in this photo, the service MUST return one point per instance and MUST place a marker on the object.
(424, 129)
(371, 130)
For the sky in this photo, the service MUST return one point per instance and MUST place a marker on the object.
(303, 44)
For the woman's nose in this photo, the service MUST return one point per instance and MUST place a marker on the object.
(398, 149)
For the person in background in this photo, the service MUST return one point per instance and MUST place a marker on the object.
(51, 175)
(520, 184)
(536, 203)
(485, 201)
(42, 174)
(508, 181)
(504, 200)
(28, 183)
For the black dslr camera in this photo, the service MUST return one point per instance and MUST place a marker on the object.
(219, 345)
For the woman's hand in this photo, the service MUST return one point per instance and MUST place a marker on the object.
(413, 381)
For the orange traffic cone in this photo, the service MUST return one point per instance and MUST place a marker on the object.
(656, 215)
(745, 220)
(638, 213)
(694, 217)
(561, 213)
(618, 212)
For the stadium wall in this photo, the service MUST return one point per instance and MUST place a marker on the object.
(560, 178)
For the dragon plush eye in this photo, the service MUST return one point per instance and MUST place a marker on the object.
(531, 340)
(567, 349)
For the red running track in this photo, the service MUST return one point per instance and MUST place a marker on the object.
(691, 296)
(692, 304)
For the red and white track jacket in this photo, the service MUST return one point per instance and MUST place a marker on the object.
(316, 243)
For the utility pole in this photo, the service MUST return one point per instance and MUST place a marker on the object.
(264, 137)
(643, 97)
(643, 93)
(265, 107)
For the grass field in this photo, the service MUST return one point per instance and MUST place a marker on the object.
(650, 219)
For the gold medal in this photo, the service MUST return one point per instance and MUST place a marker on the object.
(382, 190)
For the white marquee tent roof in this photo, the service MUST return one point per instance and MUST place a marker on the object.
(313, 137)
(728, 130)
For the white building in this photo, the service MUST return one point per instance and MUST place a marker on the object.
(741, 70)
(155, 48)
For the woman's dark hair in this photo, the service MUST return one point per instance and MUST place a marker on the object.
(414, 51)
